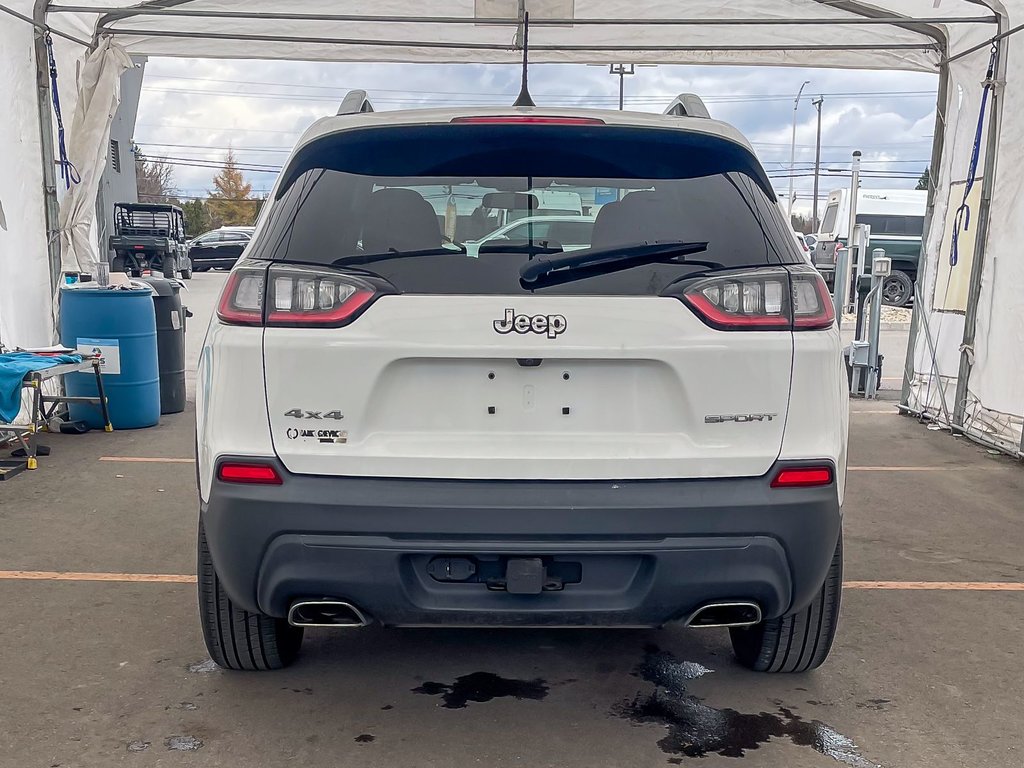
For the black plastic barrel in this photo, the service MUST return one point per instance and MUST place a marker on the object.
(170, 342)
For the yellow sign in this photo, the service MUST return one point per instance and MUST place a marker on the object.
(952, 282)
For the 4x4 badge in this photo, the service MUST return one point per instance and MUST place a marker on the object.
(299, 413)
(552, 325)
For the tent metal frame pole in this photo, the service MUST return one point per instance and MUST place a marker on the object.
(113, 13)
(42, 27)
(935, 168)
(597, 49)
(980, 243)
(49, 157)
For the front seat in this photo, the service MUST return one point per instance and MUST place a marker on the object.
(399, 219)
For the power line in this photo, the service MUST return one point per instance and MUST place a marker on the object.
(169, 126)
(177, 196)
(211, 148)
(500, 99)
(213, 163)
(507, 96)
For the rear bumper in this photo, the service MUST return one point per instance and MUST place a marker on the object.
(227, 261)
(647, 552)
(147, 243)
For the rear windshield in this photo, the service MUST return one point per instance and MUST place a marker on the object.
(472, 204)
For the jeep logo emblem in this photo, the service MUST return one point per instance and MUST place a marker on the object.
(552, 325)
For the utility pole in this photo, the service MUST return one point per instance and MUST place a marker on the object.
(817, 164)
(622, 70)
(792, 151)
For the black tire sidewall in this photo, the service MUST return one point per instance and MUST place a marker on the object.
(905, 283)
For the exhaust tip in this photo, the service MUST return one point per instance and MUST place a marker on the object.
(731, 614)
(326, 613)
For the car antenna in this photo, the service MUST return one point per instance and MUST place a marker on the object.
(524, 99)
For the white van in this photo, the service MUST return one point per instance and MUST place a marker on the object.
(896, 218)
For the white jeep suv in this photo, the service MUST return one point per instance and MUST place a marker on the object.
(648, 430)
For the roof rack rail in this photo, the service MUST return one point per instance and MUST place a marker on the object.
(688, 105)
(355, 102)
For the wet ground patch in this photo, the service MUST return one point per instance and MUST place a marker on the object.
(695, 729)
(479, 687)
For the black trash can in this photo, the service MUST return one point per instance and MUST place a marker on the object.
(170, 342)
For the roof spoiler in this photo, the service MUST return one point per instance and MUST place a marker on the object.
(688, 105)
(355, 102)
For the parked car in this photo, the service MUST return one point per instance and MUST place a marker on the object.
(571, 232)
(219, 247)
(798, 237)
(896, 218)
(648, 430)
(149, 236)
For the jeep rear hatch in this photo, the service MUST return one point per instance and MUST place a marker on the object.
(393, 350)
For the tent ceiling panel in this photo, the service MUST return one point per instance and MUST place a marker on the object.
(908, 34)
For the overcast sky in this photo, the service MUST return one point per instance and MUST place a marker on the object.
(192, 110)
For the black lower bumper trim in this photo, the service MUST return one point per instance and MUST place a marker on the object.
(647, 552)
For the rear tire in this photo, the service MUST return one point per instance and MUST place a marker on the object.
(169, 267)
(897, 289)
(236, 638)
(801, 641)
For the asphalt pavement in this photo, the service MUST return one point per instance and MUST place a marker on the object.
(102, 662)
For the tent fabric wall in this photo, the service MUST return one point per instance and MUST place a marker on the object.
(994, 406)
(24, 270)
(99, 95)
(640, 34)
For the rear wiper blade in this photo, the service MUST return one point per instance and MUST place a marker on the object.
(393, 253)
(591, 262)
(528, 248)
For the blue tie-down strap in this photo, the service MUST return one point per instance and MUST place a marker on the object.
(13, 367)
(68, 172)
(962, 217)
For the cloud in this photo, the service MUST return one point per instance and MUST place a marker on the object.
(193, 109)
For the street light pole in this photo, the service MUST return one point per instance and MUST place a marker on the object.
(622, 70)
(792, 150)
(817, 164)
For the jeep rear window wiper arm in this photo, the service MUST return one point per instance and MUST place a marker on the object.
(591, 262)
(394, 253)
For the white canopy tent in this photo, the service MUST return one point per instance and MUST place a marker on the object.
(966, 365)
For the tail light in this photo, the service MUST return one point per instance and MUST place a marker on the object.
(293, 296)
(762, 300)
(812, 303)
(803, 477)
(249, 473)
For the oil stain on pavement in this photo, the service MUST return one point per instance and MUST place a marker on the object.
(479, 687)
(696, 729)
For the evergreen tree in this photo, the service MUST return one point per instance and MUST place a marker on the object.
(197, 217)
(231, 202)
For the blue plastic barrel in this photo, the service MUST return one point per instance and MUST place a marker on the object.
(121, 326)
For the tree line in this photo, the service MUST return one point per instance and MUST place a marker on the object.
(230, 203)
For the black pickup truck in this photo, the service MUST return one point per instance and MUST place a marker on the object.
(149, 236)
